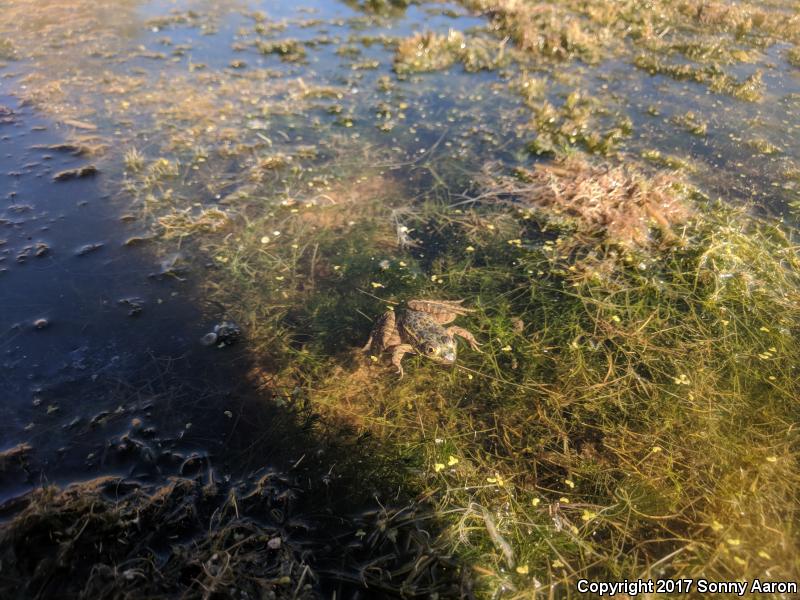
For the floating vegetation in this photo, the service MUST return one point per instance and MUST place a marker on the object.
(79, 173)
(188, 222)
(78, 147)
(6, 115)
(750, 89)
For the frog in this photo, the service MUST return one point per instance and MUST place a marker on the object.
(419, 328)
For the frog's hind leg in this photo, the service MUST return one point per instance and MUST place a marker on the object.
(380, 337)
(398, 352)
(442, 311)
(463, 333)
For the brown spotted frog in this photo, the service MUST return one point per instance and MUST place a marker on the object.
(418, 328)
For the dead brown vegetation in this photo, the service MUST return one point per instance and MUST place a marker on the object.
(618, 204)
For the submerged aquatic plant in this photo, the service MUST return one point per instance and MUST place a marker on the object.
(630, 389)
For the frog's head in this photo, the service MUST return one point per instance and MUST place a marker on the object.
(441, 349)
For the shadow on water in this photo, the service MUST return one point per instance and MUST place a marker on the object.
(135, 459)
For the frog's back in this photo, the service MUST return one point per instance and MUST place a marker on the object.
(419, 326)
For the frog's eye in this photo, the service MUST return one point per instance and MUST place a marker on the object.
(430, 349)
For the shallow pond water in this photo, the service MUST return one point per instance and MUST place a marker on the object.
(210, 125)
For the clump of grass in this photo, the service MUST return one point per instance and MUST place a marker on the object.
(692, 123)
(110, 538)
(545, 30)
(483, 54)
(428, 52)
(619, 205)
(289, 50)
(384, 8)
(750, 89)
(793, 56)
(272, 162)
(530, 89)
(669, 160)
(425, 52)
(88, 544)
(134, 160)
(577, 123)
(763, 146)
(7, 50)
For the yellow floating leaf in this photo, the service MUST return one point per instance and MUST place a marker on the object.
(438, 467)
(522, 569)
(452, 460)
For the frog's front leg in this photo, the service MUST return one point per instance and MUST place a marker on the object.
(368, 346)
(463, 333)
(397, 355)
